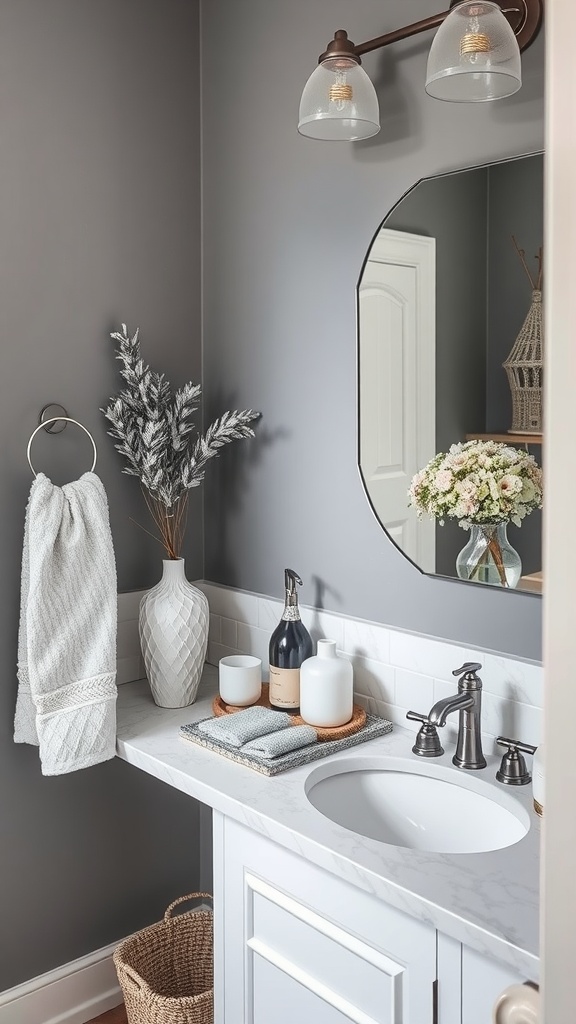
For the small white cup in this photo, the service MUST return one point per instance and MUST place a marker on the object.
(240, 679)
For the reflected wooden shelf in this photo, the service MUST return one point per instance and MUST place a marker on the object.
(507, 438)
(531, 582)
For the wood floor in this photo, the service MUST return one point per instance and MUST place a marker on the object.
(115, 1016)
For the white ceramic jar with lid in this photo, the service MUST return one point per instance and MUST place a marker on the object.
(326, 687)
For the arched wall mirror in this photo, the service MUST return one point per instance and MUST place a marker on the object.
(442, 297)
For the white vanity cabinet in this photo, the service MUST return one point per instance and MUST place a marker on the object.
(295, 944)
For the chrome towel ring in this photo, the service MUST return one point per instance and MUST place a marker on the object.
(54, 419)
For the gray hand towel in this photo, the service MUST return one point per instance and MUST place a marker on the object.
(242, 726)
(282, 742)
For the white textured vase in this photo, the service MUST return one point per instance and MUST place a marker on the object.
(173, 625)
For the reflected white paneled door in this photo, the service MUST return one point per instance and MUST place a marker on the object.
(397, 367)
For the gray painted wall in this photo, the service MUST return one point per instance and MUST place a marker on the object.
(515, 204)
(99, 222)
(288, 222)
(515, 208)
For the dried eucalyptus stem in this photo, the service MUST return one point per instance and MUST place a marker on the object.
(153, 430)
(535, 283)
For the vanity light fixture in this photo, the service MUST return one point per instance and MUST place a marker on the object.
(474, 57)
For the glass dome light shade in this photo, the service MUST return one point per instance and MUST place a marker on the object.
(339, 104)
(474, 56)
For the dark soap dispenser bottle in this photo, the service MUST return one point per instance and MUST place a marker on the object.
(290, 645)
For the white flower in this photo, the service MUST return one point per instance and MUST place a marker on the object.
(509, 484)
(465, 508)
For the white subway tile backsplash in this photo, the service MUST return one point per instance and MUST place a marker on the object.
(414, 691)
(427, 656)
(367, 639)
(394, 670)
(442, 689)
(368, 703)
(516, 680)
(323, 626)
(228, 632)
(373, 678)
(231, 604)
(127, 638)
(129, 663)
(510, 718)
(269, 614)
(217, 651)
(252, 640)
(129, 668)
(215, 629)
(397, 715)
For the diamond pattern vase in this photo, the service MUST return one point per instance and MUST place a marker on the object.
(173, 625)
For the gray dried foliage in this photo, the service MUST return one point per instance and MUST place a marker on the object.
(153, 429)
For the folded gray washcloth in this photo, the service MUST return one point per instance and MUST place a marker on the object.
(242, 726)
(282, 742)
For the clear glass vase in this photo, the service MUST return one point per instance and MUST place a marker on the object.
(489, 557)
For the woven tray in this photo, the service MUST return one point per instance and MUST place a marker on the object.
(339, 732)
(295, 758)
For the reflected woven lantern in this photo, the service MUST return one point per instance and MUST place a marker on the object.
(524, 365)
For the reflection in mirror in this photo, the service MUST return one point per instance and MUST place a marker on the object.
(442, 299)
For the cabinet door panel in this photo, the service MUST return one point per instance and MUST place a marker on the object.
(483, 980)
(280, 999)
(323, 956)
(329, 939)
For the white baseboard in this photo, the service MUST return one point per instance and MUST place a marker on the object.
(72, 994)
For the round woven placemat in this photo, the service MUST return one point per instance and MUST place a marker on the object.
(338, 732)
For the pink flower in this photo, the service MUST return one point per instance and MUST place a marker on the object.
(457, 459)
(443, 480)
(466, 489)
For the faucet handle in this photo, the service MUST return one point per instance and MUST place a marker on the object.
(414, 716)
(513, 770)
(468, 670)
(427, 741)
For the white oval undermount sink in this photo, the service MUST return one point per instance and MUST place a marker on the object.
(421, 807)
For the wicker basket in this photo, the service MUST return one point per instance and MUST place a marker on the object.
(166, 971)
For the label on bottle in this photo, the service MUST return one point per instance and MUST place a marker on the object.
(284, 687)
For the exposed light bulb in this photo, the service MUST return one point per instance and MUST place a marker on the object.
(341, 91)
(339, 101)
(474, 42)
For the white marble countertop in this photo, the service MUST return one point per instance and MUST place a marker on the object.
(489, 901)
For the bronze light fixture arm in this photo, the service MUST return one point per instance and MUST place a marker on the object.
(525, 17)
(401, 33)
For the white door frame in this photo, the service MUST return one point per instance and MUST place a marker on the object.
(558, 901)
